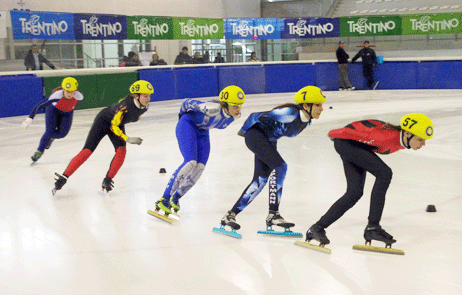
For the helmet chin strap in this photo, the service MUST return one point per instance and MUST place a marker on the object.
(309, 113)
(408, 140)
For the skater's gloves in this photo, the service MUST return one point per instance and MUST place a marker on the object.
(210, 109)
(134, 140)
(26, 123)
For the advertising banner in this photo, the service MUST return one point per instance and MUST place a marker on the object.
(424, 24)
(311, 28)
(253, 28)
(42, 25)
(197, 28)
(370, 26)
(100, 26)
(149, 28)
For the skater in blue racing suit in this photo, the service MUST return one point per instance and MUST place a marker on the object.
(262, 131)
(192, 132)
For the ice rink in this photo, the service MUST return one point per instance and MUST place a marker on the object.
(81, 242)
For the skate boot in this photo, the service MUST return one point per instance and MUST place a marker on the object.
(164, 205)
(60, 182)
(375, 232)
(36, 156)
(230, 219)
(317, 232)
(175, 206)
(49, 143)
(274, 218)
(107, 185)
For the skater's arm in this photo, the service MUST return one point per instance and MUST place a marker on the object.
(207, 108)
(117, 120)
(42, 104)
(358, 55)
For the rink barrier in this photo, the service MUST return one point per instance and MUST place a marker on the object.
(20, 91)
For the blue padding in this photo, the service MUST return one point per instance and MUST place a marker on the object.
(196, 82)
(440, 75)
(19, 94)
(396, 75)
(289, 78)
(356, 76)
(162, 80)
(327, 74)
(250, 78)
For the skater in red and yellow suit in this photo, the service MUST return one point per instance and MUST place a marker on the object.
(111, 122)
(357, 144)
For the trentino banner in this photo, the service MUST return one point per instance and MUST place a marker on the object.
(100, 26)
(425, 24)
(197, 28)
(253, 28)
(311, 28)
(42, 25)
(370, 26)
(149, 28)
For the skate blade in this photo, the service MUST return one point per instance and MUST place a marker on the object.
(175, 216)
(53, 191)
(308, 245)
(378, 249)
(162, 217)
(231, 233)
(376, 84)
(286, 233)
(105, 193)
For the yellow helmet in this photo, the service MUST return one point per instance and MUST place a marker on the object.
(70, 84)
(233, 95)
(142, 86)
(310, 94)
(418, 124)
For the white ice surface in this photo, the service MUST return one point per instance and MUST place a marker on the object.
(80, 242)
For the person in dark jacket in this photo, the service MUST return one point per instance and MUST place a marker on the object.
(219, 58)
(197, 59)
(133, 60)
(183, 57)
(34, 60)
(342, 57)
(369, 60)
(156, 61)
(206, 57)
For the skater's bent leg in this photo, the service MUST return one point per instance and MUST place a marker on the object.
(188, 181)
(97, 132)
(276, 181)
(356, 177)
(383, 176)
(260, 178)
(77, 161)
(64, 126)
(51, 121)
(117, 162)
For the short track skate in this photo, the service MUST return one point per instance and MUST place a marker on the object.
(317, 233)
(163, 216)
(286, 233)
(376, 233)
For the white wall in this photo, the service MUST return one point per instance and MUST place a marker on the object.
(189, 8)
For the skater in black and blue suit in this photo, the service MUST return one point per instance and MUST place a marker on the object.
(192, 132)
(262, 131)
(58, 115)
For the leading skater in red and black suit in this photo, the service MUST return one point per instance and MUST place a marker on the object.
(357, 145)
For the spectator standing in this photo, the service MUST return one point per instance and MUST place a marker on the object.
(183, 57)
(133, 60)
(342, 57)
(369, 60)
(34, 60)
(206, 57)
